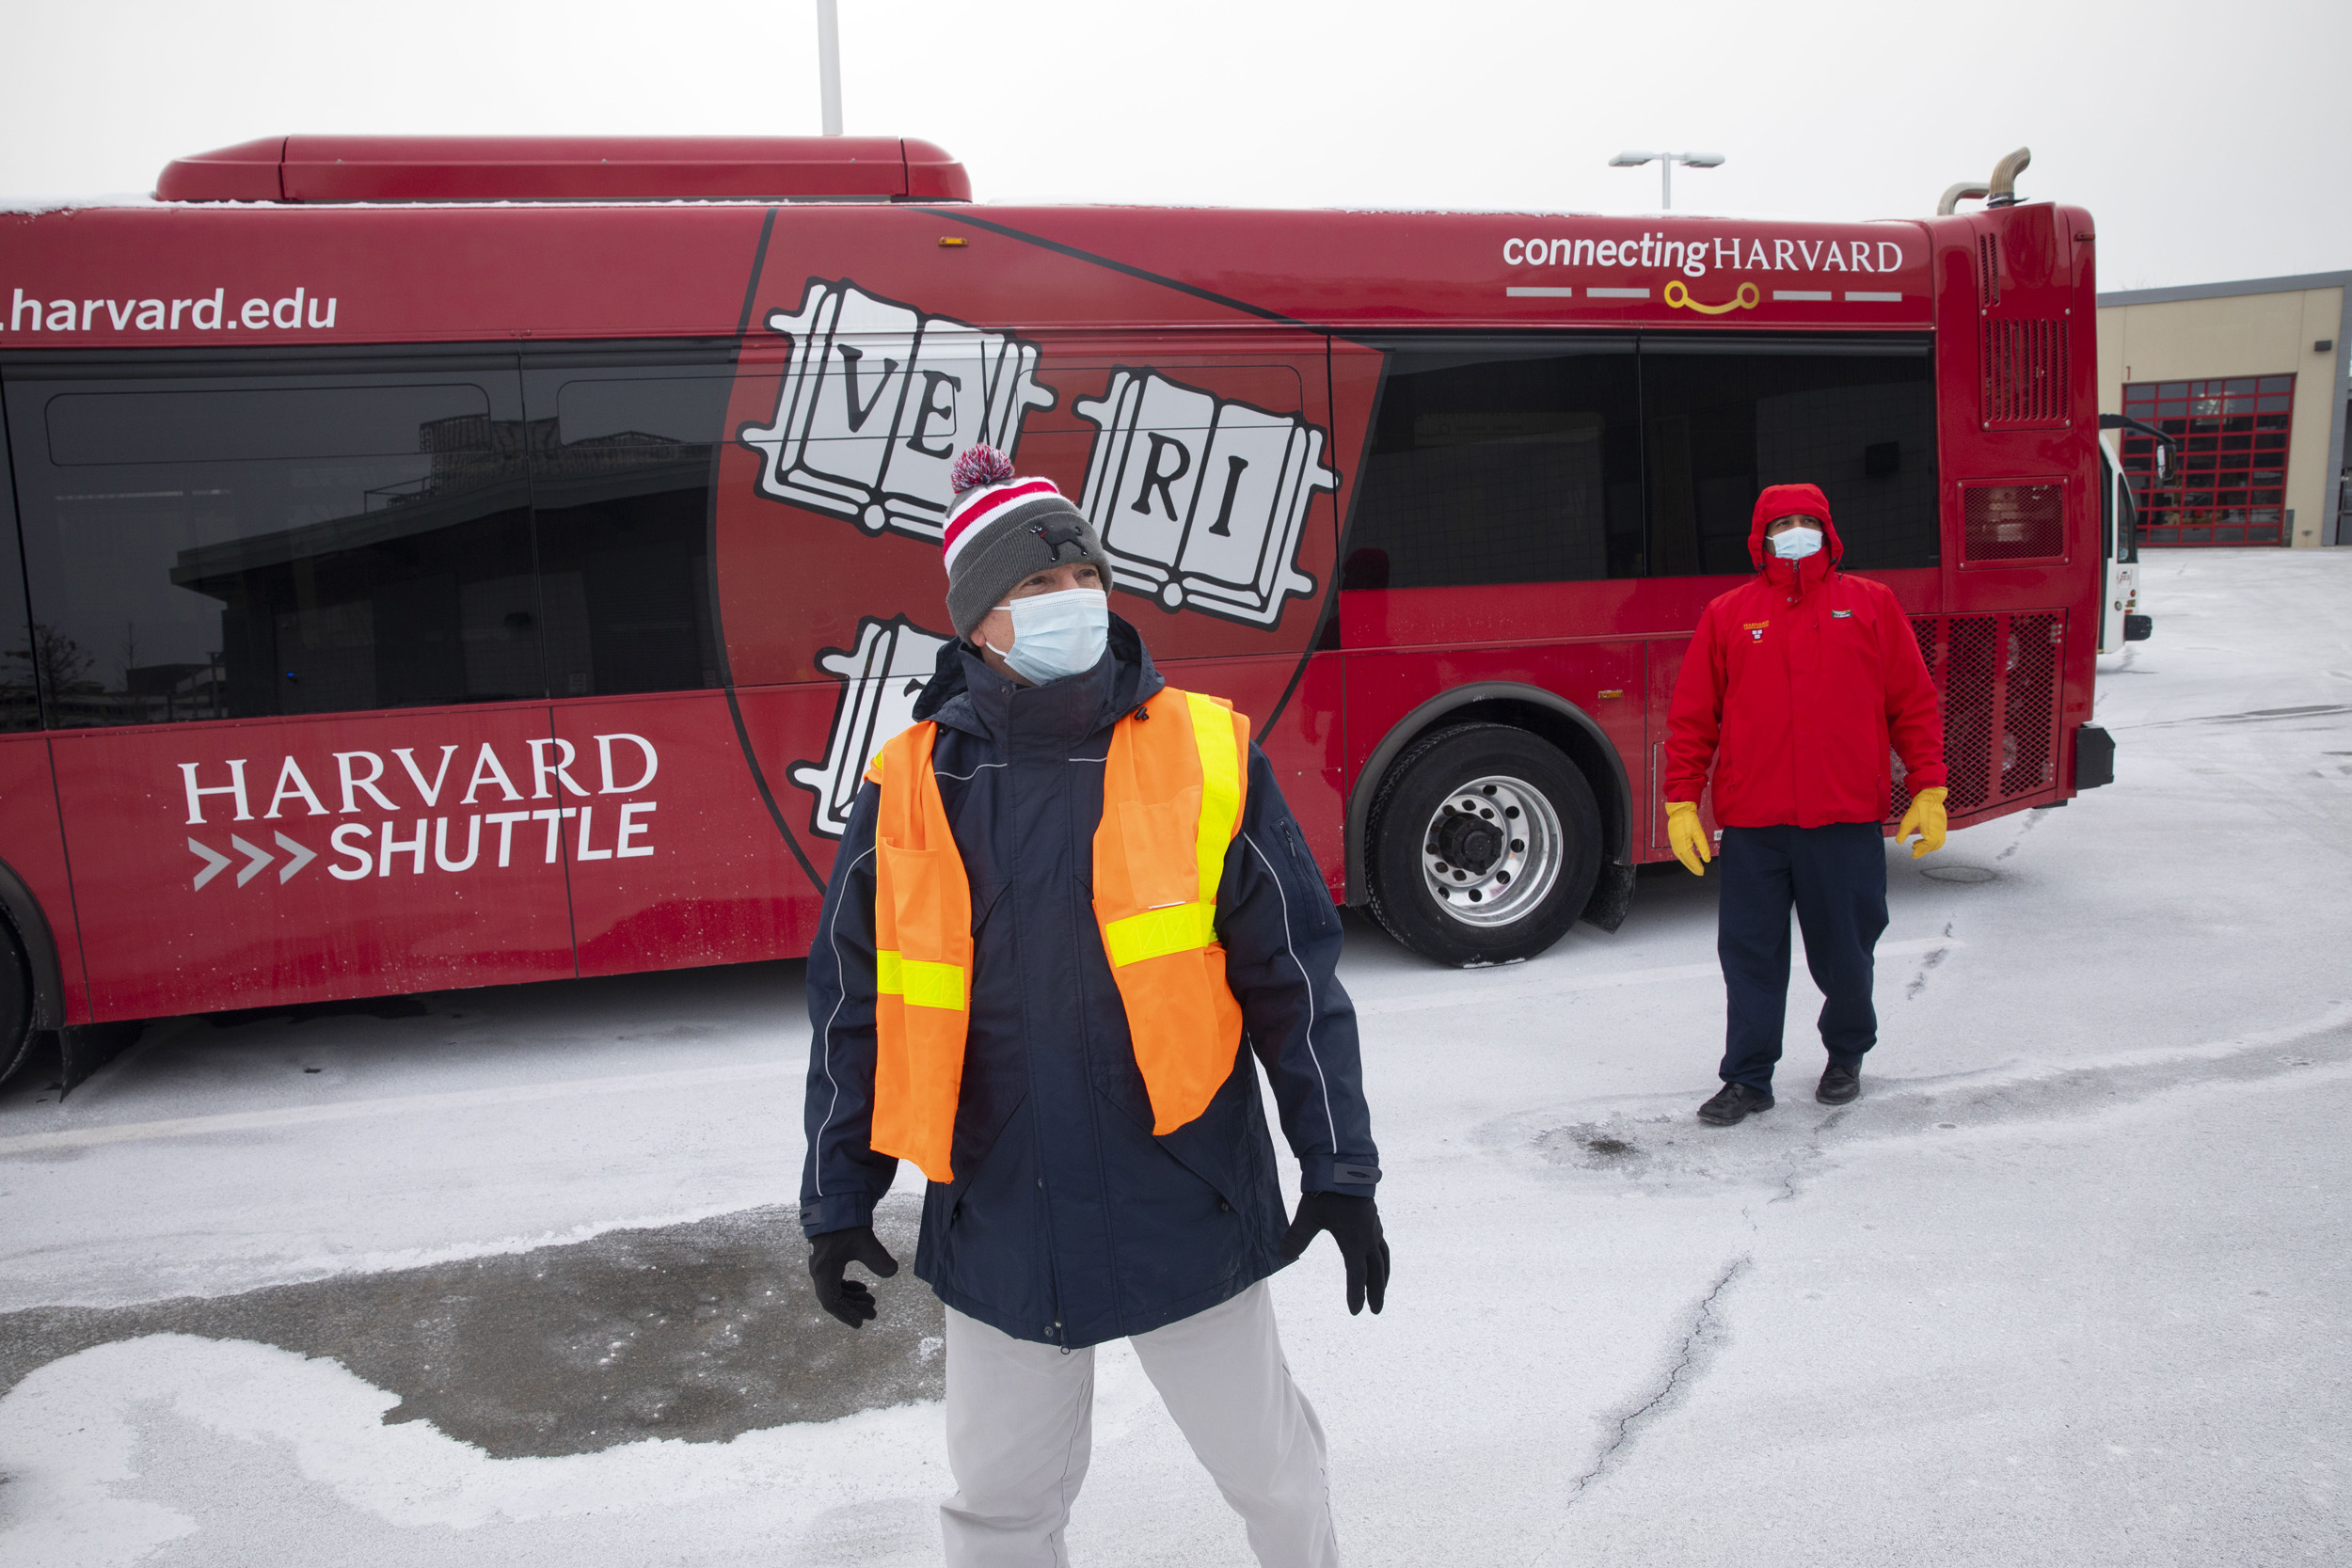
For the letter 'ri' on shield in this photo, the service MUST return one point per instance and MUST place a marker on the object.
(879, 398)
(1200, 499)
(881, 678)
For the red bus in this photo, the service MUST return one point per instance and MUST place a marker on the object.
(449, 563)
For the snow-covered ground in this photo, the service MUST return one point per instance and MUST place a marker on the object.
(2070, 1284)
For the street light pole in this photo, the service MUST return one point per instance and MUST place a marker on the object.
(1665, 162)
(829, 64)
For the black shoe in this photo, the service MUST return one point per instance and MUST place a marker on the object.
(1733, 1102)
(1839, 1085)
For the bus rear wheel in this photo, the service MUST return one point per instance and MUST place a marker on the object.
(1484, 846)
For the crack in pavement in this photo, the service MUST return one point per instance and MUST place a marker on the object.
(1810, 1153)
(1702, 1339)
(2251, 715)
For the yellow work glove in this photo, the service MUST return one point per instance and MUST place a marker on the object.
(1925, 819)
(1688, 838)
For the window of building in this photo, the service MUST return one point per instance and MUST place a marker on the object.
(1501, 461)
(1723, 419)
(2227, 483)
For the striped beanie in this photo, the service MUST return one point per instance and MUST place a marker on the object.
(1001, 528)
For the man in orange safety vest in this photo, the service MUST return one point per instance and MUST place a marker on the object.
(1069, 908)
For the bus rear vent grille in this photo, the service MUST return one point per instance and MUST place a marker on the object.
(1998, 679)
(2025, 374)
(1987, 271)
(2012, 522)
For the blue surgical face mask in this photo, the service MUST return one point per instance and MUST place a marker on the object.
(1055, 635)
(1796, 543)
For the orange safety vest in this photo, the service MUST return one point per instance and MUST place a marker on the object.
(1172, 793)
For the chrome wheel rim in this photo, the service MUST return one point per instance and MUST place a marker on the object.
(1491, 852)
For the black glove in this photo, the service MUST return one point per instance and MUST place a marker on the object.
(1355, 1224)
(830, 1253)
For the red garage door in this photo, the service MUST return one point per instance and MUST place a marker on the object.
(2229, 486)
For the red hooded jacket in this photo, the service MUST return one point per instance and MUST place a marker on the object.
(1796, 688)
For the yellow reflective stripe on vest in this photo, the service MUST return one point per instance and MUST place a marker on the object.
(1220, 793)
(1181, 927)
(1157, 933)
(923, 985)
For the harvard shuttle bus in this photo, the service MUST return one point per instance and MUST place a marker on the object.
(451, 562)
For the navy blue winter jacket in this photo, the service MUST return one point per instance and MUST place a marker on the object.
(1068, 1221)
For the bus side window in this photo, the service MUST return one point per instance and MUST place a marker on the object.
(20, 695)
(1501, 461)
(220, 545)
(1723, 419)
(621, 487)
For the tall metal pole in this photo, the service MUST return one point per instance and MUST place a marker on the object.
(1666, 162)
(829, 64)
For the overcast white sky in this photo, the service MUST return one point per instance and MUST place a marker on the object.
(2207, 139)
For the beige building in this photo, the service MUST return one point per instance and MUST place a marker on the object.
(2250, 380)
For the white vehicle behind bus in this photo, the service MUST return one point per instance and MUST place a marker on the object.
(2122, 617)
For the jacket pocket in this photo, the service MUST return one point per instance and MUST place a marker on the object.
(1159, 838)
(1205, 1159)
(920, 883)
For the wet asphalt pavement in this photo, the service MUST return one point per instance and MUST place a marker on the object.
(700, 1332)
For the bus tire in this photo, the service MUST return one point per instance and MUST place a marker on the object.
(1485, 842)
(16, 1004)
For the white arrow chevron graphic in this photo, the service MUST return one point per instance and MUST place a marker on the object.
(214, 862)
(302, 857)
(255, 858)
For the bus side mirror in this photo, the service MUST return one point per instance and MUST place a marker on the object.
(2164, 465)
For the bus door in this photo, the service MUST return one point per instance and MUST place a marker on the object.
(1723, 417)
(2121, 618)
(290, 650)
(1662, 669)
(32, 852)
(2119, 572)
(675, 859)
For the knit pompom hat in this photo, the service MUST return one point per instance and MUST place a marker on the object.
(1001, 528)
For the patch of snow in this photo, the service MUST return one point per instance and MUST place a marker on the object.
(35, 205)
(75, 1431)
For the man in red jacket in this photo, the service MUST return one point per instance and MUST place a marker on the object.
(1796, 688)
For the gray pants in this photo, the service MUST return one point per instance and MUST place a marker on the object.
(1021, 1428)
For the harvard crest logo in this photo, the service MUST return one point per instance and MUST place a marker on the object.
(879, 398)
(881, 678)
(1200, 499)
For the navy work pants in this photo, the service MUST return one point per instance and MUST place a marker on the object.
(1836, 879)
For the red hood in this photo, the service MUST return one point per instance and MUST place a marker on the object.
(1784, 500)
